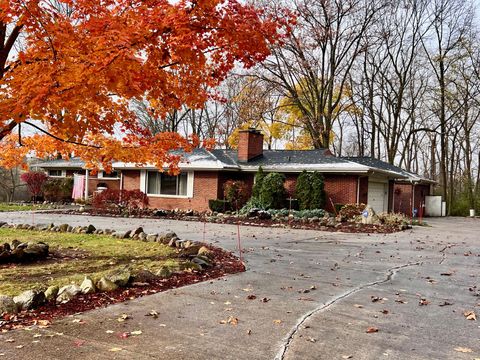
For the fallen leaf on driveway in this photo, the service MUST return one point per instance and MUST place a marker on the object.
(463, 349)
(358, 306)
(371, 329)
(231, 320)
(109, 331)
(115, 349)
(277, 321)
(347, 356)
(447, 274)
(153, 314)
(136, 332)
(78, 343)
(470, 315)
(445, 303)
(423, 302)
(251, 297)
(123, 317)
(264, 300)
(42, 324)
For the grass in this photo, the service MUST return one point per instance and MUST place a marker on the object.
(21, 207)
(93, 255)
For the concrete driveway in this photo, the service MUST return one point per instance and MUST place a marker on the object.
(321, 292)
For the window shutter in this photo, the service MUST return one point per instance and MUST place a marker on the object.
(190, 184)
(143, 181)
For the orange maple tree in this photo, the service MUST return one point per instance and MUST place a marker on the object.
(69, 69)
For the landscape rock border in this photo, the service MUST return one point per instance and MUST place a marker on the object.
(198, 253)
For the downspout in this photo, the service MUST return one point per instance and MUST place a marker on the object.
(358, 189)
(86, 184)
(393, 198)
(413, 198)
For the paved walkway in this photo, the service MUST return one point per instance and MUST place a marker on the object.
(320, 291)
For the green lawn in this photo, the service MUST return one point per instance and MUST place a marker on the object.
(93, 255)
(21, 207)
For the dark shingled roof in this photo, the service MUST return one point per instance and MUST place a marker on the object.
(280, 157)
(383, 165)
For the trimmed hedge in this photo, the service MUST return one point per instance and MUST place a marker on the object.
(273, 193)
(310, 190)
(219, 206)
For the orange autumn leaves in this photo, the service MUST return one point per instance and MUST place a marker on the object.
(81, 62)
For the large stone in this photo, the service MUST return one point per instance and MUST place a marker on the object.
(67, 293)
(203, 261)
(368, 216)
(63, 227)
(191, 250)
(106, 285)
(7, 305)
(142, 236)
(145, 276)
(18, 254)
(38, 250)
(164, 272)
(137, 231)
(87, 286)
(151, 237)
(90, 229)
(30, 299)
(120, 277)
(165, 238)
(121, 234)
(204, 251)
(52, 292)
(15, 244)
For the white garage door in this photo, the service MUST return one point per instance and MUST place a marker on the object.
(378, 196)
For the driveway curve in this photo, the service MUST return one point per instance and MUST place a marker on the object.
(316, 295)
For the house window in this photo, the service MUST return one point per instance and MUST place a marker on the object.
(111, 175)
(164, 184)
(55, 173)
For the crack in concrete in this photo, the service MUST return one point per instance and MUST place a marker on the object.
(444, 254)
(289, 338)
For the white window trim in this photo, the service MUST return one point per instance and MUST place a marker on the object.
(64, 173)
(104, 175)
(190, 179)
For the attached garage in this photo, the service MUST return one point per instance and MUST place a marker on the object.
(378, 196)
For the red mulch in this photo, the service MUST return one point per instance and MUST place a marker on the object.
(225, 263)
(347, 227)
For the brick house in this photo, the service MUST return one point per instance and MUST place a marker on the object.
(203, 173)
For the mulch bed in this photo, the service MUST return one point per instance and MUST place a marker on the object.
(225, 263)
(347, 227)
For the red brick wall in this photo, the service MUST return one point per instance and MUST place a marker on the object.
(250, 145)
(363, 191)
(402, 197)
(112, 184)
(205, 187)
(341, 189)
(223, 177)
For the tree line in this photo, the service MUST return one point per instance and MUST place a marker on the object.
(393, 80)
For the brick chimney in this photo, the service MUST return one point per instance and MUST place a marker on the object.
(250, 145)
